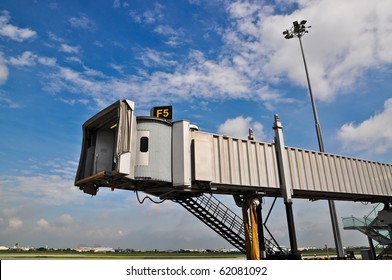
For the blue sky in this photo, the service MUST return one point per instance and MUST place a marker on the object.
(223, 65)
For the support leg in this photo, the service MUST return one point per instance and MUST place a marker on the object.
(372, 249)
(291, 227)
(263, 253)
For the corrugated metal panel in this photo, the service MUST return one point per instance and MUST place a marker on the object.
(158, 164)
(234, 161)
(315, 171)
(230, 161)
(181, 154)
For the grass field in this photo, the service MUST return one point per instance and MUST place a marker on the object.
(72, 254)
(120, 256)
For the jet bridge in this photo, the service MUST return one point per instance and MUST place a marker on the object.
(174, 160)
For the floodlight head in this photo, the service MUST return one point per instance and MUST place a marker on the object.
(303, 21)
(285, 32)
(289, 36)
(295, 23)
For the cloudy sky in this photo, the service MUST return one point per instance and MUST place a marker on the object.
(223, 65)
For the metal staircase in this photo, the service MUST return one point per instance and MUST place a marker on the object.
(371, 226)
(218, 217)
(376, 233)
(375, 227)
(224, 221)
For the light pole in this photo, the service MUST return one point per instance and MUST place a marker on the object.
(297, 31)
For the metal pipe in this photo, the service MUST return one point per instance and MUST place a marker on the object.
(331, 203)
(316, 118)
(298, 30)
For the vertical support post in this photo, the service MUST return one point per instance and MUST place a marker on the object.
(283, 163)
(251, 227)
(290, 223)
(372, 249)
(285, 183)
(262, 248)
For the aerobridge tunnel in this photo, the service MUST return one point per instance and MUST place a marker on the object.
(122, 151)
(174, 160)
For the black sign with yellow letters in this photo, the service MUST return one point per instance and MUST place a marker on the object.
(163, 112)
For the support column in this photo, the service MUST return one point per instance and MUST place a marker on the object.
(251, 227)
(285, 183)
(262, 248)
(372, 249)
(291, 228)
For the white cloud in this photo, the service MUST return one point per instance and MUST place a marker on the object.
(152, 57)
(151, 16)
(206, 78)
(175, 37)
(66, 219)
(42, 223)
(15, 223)
(338, 54)
(3, 70)
(243, 9)
(69, 49)
(27, 58)
(372, 135)
(82, 22)
(117, 67)
(199, 78)
(7, 102)
(165, 30)
(116, 4)
(255, 58)
(64, 225)
(239, 127)
(74, 59)
(55, 38)
(13, 32)
(47, 61)
(48, 183)
(148, 16)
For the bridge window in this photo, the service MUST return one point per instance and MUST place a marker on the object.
(144, 144)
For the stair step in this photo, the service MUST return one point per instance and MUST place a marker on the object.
(224, 221)
(218, 217)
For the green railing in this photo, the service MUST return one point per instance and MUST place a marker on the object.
(353, 222)
(366, 225)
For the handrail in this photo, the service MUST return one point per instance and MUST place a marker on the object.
(373, 212)
(354, 220)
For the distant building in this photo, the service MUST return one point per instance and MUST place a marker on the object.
(228, 250)
(195, 250)
(84, 249)
(103, 250)
(95, 249)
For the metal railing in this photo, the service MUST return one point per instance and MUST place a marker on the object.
(225, 222)
(369, 226)
(218, 217)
